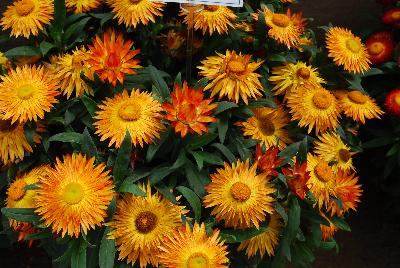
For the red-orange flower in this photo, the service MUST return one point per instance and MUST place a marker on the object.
(392, 102)
(24, 229)
(380, 47)
(298, 178)
(392, 16)
(112, 58)
(189, 111)
(269, 161)
(348, 191)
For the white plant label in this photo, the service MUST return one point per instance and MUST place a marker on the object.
(231, 3)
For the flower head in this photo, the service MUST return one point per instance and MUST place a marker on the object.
(140, 224)
(239, 196)
(269, 161)
(359, 106)
(392, 102)
(188, 247)
(331, 148)
(284, 28)
(189, 111)
(27, 17)
(289, 77)
(13, 142)
(212, 19)
(27, 93)
(67, 69)
(233, 75)
(314, 107)
(380, 47)
(347, 50)
(112, 58)
(265, 242)
(74, 196)
(138, 113)
(81, 6)
(327, 231)
(392, 16)
(135, 12)
(268, 126)
(298, 178)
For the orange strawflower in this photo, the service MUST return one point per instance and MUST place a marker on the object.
(392, 102)
(299, 177)
(269, 161)
(112, 58)
(189, 111)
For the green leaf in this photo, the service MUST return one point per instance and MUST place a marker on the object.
(39, 235)
(379, 142)
(104, 17)
(178, 79)
(78, 254)
(90, 105)
(127, 186)
(158, 81)
(225, 151)
(166, 192)
(237, 236)
(210, 158)
(341, 224)
(153, 148)
(303, 149)
(202, 83)
(107, 251)
(122, 161)
(22, 51)
(372, 72)
(223, 106)
(199, 141)
(88, 146)
(262, 103)
(60, 13)
(159, 173)
(45, 47)
(68, 118)
(21, 214)
(199, 159)
(278, 207)
(194, 179)
(70, 137)
(222, 129)
(193, 200)
(75, 30)
(33, 186)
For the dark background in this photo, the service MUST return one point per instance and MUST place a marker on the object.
(375, 238)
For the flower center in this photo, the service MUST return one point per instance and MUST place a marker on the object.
(323, 172)
(77, 63)
(344, 155)
(146, 222)
(376, 48)
(397, 99)
(211, 8)
(24, 7)
(25, 92)
(129, 112)
(240, 191)
(357, 97)
(280, 20)
(303, 73)
(17, 190)
(112, 60)
(135, 1)
(73, 193)
(198, 260)
(236, 66)
(266, 126)
(396, 15)
(186, 113)
(353, 45)
(6, 126)
(322, 100)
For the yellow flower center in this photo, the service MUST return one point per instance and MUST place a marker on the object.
(17, 190)
(25, 92)
(240, 191)
(323, 172)
(397, 99)
(344, 155)
(198, 260)
(280, 20)
(322, 100)
(376, 48)
(73, 193)
(236, 66)
(357, 97)
(303, 73)
(353, 45)
(129, 112)
(6, 126)
(396, 15)
(211, 8)
(266, 126)
(24, 7)
(146, 222)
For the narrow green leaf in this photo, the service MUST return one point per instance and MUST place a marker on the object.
(127, 186)
(166, 192)
(60, 14)
(78, 254)
(225, 151)
(379, 142)
(122, 161)
(202, 83)
(22, 51)
(39, 235)
(278, 207)
(341, 224)
(90, 104)
(70, 137)
(159, 83)
(237, 236)
(223, 106)
(198, 159)
(199, 141)
(21, 214)
(193, 177)
(222, 129)
(88, 146)
(107, 251)
(153, 148)
(45, 47)
(75, 29)
(157, 174)
(193, 200)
